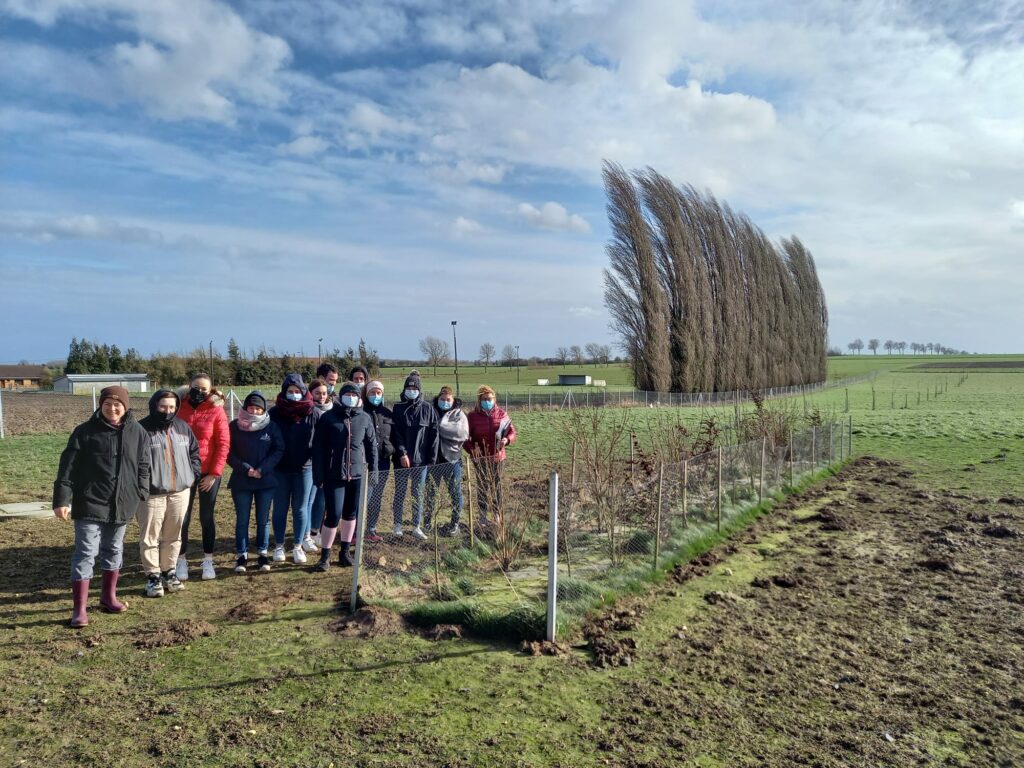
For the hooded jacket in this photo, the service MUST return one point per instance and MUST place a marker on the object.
(344, 446)
(297, 435)
(260, 450)
(383, 423)
(104, 470)
(173, 449)
(484, 429)
(452, 430)
(209, 423)
(415, 429)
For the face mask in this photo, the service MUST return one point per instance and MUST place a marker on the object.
(376, 399)
(350, 401)
(330, 389)
(412, 394)
(487, 404)
(163, 419)
(195, 396)
(294, 396)
(444, 405)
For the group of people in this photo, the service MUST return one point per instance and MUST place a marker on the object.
(311, 451)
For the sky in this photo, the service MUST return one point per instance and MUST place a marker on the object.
(179, 171)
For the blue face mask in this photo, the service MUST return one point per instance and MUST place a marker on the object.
(444, 405)
(487, 404)
(412, 394)
(350, 401)
(330, 389)
(376, 399)
(294, 396)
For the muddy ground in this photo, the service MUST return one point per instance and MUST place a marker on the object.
(887, 630)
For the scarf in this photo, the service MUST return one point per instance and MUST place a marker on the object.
(325, 407)
(249, 422)
(296, 410)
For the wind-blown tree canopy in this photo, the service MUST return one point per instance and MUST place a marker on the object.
(701, 299)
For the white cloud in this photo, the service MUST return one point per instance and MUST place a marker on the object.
(554, 217)
(1017, 211)
(46, 229)
(304, 146)
(582, 311)
(463, 227)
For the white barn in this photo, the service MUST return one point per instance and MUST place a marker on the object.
(85, 383)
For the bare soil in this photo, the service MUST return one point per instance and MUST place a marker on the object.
(179, 632)
(368, 622)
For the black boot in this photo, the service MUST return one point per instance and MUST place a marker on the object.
(324, 563)
(344, 559)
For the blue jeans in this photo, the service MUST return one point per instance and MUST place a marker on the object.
(102, 541)
(376, 498)
(418, 477)
(292, 488)
(243, 509)
(451, 476)
(315, 505)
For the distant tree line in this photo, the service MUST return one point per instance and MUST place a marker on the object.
(700, 298)
(436, 352)
(930, 348)
(237, 369)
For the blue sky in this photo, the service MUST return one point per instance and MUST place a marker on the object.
(175, 171)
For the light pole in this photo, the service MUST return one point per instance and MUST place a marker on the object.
(455, 339)
(517, 364)
(318, 341)
(211, 362)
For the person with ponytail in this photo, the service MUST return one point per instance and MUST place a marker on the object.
(344, 453)
(203, 411)
(320, 391)
(296, 417)
(256, 448)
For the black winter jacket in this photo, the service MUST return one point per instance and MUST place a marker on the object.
(260, 450)
(298, 439)
(383, 424)
(104, 471)
(344, 446)
(415, 432)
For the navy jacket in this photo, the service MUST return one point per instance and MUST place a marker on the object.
(298, 439)
(104, 471)
(260, 450)
(415, 431)
(344, 446)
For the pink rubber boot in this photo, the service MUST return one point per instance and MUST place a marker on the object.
(108, 595)
(79, 596)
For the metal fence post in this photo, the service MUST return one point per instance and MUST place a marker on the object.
(572, 467)
(2, 435)
(686, 483)
(552, 555)
(94, 398)
(849, 453)
(657, 519)
(719, 489)
(760, 487)
(468, 467)
(830, 442)
(791, 458)
(364, 495)
(814, 448)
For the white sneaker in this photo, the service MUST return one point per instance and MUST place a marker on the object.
(397, 531)
(419, 534)
(240, 563)
(181, 569)
(316, 539)
(154, 587)
(279, 554)
(308, 545)
(208, 572)
(298, 555)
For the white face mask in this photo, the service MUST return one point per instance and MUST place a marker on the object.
(412, 394)
(293, 396)
(350, 401)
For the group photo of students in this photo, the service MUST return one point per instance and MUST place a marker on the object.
(308, 450)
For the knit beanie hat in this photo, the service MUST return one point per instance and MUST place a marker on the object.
(115, 392)
(413, 380)
(485, 391)
(293, 380)
(255, 398)
(348, 388)
(375, 384)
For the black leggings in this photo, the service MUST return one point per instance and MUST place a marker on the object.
(207, 502)
(341, 501)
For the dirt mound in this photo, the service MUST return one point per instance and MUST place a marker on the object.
(831, 521)
(444, 632)
(176, 633)
(249, 611)
(369, 621)
(613, 652)
(1001, 532)
(543, 648)
(1013, 501)
(717, 597)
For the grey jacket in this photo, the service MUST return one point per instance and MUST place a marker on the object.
(174, 458)
(453, 431)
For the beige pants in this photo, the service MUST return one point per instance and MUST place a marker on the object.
(160, 521)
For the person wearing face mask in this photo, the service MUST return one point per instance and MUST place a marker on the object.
(256, 449)
(453, 431)
(203, 411)
(329, 374)
(296, 417)
(174, 467)
(415, 438)
(322, 402)
(102, 477)
(344, 452)
(490, 431)
(383, 424)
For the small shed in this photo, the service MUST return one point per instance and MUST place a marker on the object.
(574, 379)
(20, 376)
(85, 383)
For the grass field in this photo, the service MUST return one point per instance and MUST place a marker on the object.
(869, 660)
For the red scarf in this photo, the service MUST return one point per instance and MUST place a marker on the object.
(297, 410)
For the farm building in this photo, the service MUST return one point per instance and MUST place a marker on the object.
(20, 376)
(574, 380)
(85, 383)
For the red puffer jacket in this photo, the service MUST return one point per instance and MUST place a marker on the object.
(209, 423)
(483, 433)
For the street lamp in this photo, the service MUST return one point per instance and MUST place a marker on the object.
(456, 340)
(517, 364)
(211, 362)
(318, 341)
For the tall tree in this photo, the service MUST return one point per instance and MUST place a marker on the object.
(508, 355)
(435, 351)
(487, 353)
(576, 353)
(562, 355)
(873, 345)
(594, 352)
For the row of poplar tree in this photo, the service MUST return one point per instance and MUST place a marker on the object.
(702, 300)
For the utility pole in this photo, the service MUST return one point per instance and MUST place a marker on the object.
(517, 364)
(318, 343)
(211, 362)
(455, 340)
